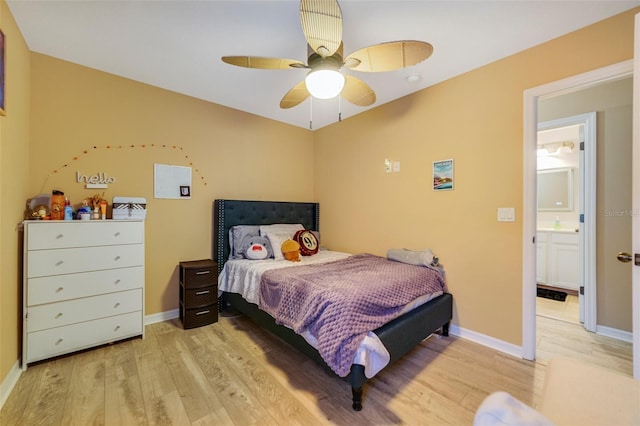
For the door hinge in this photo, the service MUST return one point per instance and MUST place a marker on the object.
(582, 290)
(581, 146)
(636, 259)
(581, 217)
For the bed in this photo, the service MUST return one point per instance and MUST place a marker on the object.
(398, 336)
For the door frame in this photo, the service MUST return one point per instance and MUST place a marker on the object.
(586, 209)
(529, 202)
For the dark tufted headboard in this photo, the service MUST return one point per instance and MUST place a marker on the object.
(228, 213)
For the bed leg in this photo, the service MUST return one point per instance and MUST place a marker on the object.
(445, 329)
(357, 398)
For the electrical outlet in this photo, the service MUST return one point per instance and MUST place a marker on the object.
(396, 166)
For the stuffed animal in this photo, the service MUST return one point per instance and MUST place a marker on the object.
(291, 250)
(256, 248)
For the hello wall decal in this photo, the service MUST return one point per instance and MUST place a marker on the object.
(102, 178)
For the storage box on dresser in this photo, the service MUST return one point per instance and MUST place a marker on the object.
(198, 293)
(83, 285)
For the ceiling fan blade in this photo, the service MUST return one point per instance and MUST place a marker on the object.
(357, 91)
(295, 96)
(322, 25)
(263, 63)
(389, 56)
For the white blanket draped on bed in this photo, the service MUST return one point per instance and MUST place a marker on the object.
(243, 276)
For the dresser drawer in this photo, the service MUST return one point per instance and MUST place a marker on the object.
(67, 261)
(57, 341)
(73, 286)
(58, 314)
(66, 234)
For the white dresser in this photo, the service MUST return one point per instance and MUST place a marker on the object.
(83, 285)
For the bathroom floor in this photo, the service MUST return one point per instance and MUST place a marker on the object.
(568, 311)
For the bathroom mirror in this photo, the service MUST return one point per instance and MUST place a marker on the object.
(555, 190)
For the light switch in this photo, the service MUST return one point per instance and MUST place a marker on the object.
(506, 214)
(387, 165)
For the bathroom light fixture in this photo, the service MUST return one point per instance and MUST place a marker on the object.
(555, 148)
(324, 83)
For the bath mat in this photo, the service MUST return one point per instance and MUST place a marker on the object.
(560, 296)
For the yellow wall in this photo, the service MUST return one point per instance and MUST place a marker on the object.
(14, 176)
(477, 120)
(232, 154)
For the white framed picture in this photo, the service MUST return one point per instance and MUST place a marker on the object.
(443, 175)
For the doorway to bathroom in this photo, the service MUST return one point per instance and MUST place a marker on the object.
(565, 147)
(614, 208)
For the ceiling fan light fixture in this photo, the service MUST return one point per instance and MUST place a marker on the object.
(324, 83)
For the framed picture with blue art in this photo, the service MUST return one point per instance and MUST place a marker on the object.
(443, 175)
(2, 72)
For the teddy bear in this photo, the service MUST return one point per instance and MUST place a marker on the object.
(256, 248)
(291, 250)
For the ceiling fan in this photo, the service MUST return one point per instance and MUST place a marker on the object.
(322, 27)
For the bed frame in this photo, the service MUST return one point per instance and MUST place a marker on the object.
(398, 336)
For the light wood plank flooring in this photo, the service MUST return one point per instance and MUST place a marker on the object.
(234, 373)
(568, 311)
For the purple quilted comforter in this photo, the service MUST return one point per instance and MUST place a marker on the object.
(340, 302)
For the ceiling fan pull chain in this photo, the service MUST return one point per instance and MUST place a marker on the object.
(339, 109)
(310, 112)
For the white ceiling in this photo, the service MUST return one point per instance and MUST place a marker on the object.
(177, 44)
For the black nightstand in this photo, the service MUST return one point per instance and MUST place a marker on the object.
(198, 293)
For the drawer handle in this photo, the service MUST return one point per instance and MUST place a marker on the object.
(59, 315)
(117, 328)
(60, 339)
(117, 234)
(117, 258)
(116, 305)
(59, 236)
(59, 289)
(203, 272)
(59, 262)
(117, 281)
(203, 312)
(200, 293)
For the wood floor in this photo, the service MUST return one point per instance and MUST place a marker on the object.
(233, 373)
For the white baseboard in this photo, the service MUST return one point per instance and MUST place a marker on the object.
(161, 316)
(9, 383)
(614, 333)
(488, 341)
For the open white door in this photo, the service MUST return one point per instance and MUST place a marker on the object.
(636, 202)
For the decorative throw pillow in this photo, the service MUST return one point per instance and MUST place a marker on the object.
(308, 242)
(276, 239)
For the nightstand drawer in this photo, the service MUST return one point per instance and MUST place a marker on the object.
(200, 296)
(198, 273)
(200, 316)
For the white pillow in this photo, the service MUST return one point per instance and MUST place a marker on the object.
(290, 228)
(276, 239)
